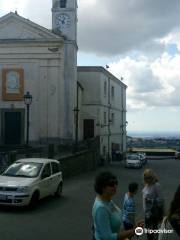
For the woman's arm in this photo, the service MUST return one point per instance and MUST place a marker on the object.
(129, 233)
(158, 191)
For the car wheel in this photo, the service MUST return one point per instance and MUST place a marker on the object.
(34, 200)
(58, 192)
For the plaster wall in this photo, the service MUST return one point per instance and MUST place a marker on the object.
(44, 79)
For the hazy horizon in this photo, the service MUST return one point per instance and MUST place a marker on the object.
(160, 133)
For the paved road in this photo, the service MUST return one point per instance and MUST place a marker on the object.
(68, 218)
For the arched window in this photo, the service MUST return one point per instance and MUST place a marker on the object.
(63, 3)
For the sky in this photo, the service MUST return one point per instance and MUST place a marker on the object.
(139, 40)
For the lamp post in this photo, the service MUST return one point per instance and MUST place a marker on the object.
(27, 101)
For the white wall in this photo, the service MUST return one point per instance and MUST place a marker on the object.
(91, 84)
(96, 102)
(43, 77)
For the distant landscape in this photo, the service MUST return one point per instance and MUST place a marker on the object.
(154, 139)
(153, 134)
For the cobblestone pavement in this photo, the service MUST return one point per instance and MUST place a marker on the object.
(69, 218)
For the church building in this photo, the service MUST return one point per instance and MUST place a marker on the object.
(45, 98)
(41, 63)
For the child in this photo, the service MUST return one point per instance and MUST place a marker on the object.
(129, 206)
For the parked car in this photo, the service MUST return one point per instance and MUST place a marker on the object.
(143, 158)
(28, 180)
(177, 155)
(133, 161)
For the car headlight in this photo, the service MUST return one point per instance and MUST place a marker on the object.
(22, 189)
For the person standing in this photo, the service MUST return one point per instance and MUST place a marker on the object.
(153, 202)
(107, 217)
(129, 206)
(172, 220)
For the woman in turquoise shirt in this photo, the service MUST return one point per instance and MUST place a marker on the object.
(107, 217)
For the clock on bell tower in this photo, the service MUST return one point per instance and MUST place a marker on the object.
(64, 18)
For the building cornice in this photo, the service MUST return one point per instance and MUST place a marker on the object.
(100, 69)
(33, 42)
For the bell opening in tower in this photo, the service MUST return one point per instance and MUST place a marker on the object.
(63, 3)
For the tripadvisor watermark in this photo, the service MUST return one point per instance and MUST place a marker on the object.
(140, 231)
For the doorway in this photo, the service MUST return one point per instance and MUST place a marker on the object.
(116, 155)
(13, 127)
(88, 128)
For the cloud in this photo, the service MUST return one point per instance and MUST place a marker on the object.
(7, 6)
(172, 38)
(109, 28)
(150, 83)
(37, 11)
(112, 28)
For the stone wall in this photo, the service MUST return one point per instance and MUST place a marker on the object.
(79, 163)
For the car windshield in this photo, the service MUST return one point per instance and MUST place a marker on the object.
(23, 169)
(133, 157)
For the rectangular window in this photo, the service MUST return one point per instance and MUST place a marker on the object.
(112, 118)
(105, 118)
(104, 151)
(46, 171)
(63, 3)
(112, 92)
(55, 167)
(105, 88)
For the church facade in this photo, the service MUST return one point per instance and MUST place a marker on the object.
(44, 63)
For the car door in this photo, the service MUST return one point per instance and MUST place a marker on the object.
(46, 181)
(56, 175)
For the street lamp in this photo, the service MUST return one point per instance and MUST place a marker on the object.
(27, 101)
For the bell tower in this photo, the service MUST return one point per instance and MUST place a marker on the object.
(64, 23)
(64, 18)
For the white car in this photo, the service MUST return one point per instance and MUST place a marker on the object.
(133, 161)
(28, 180)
